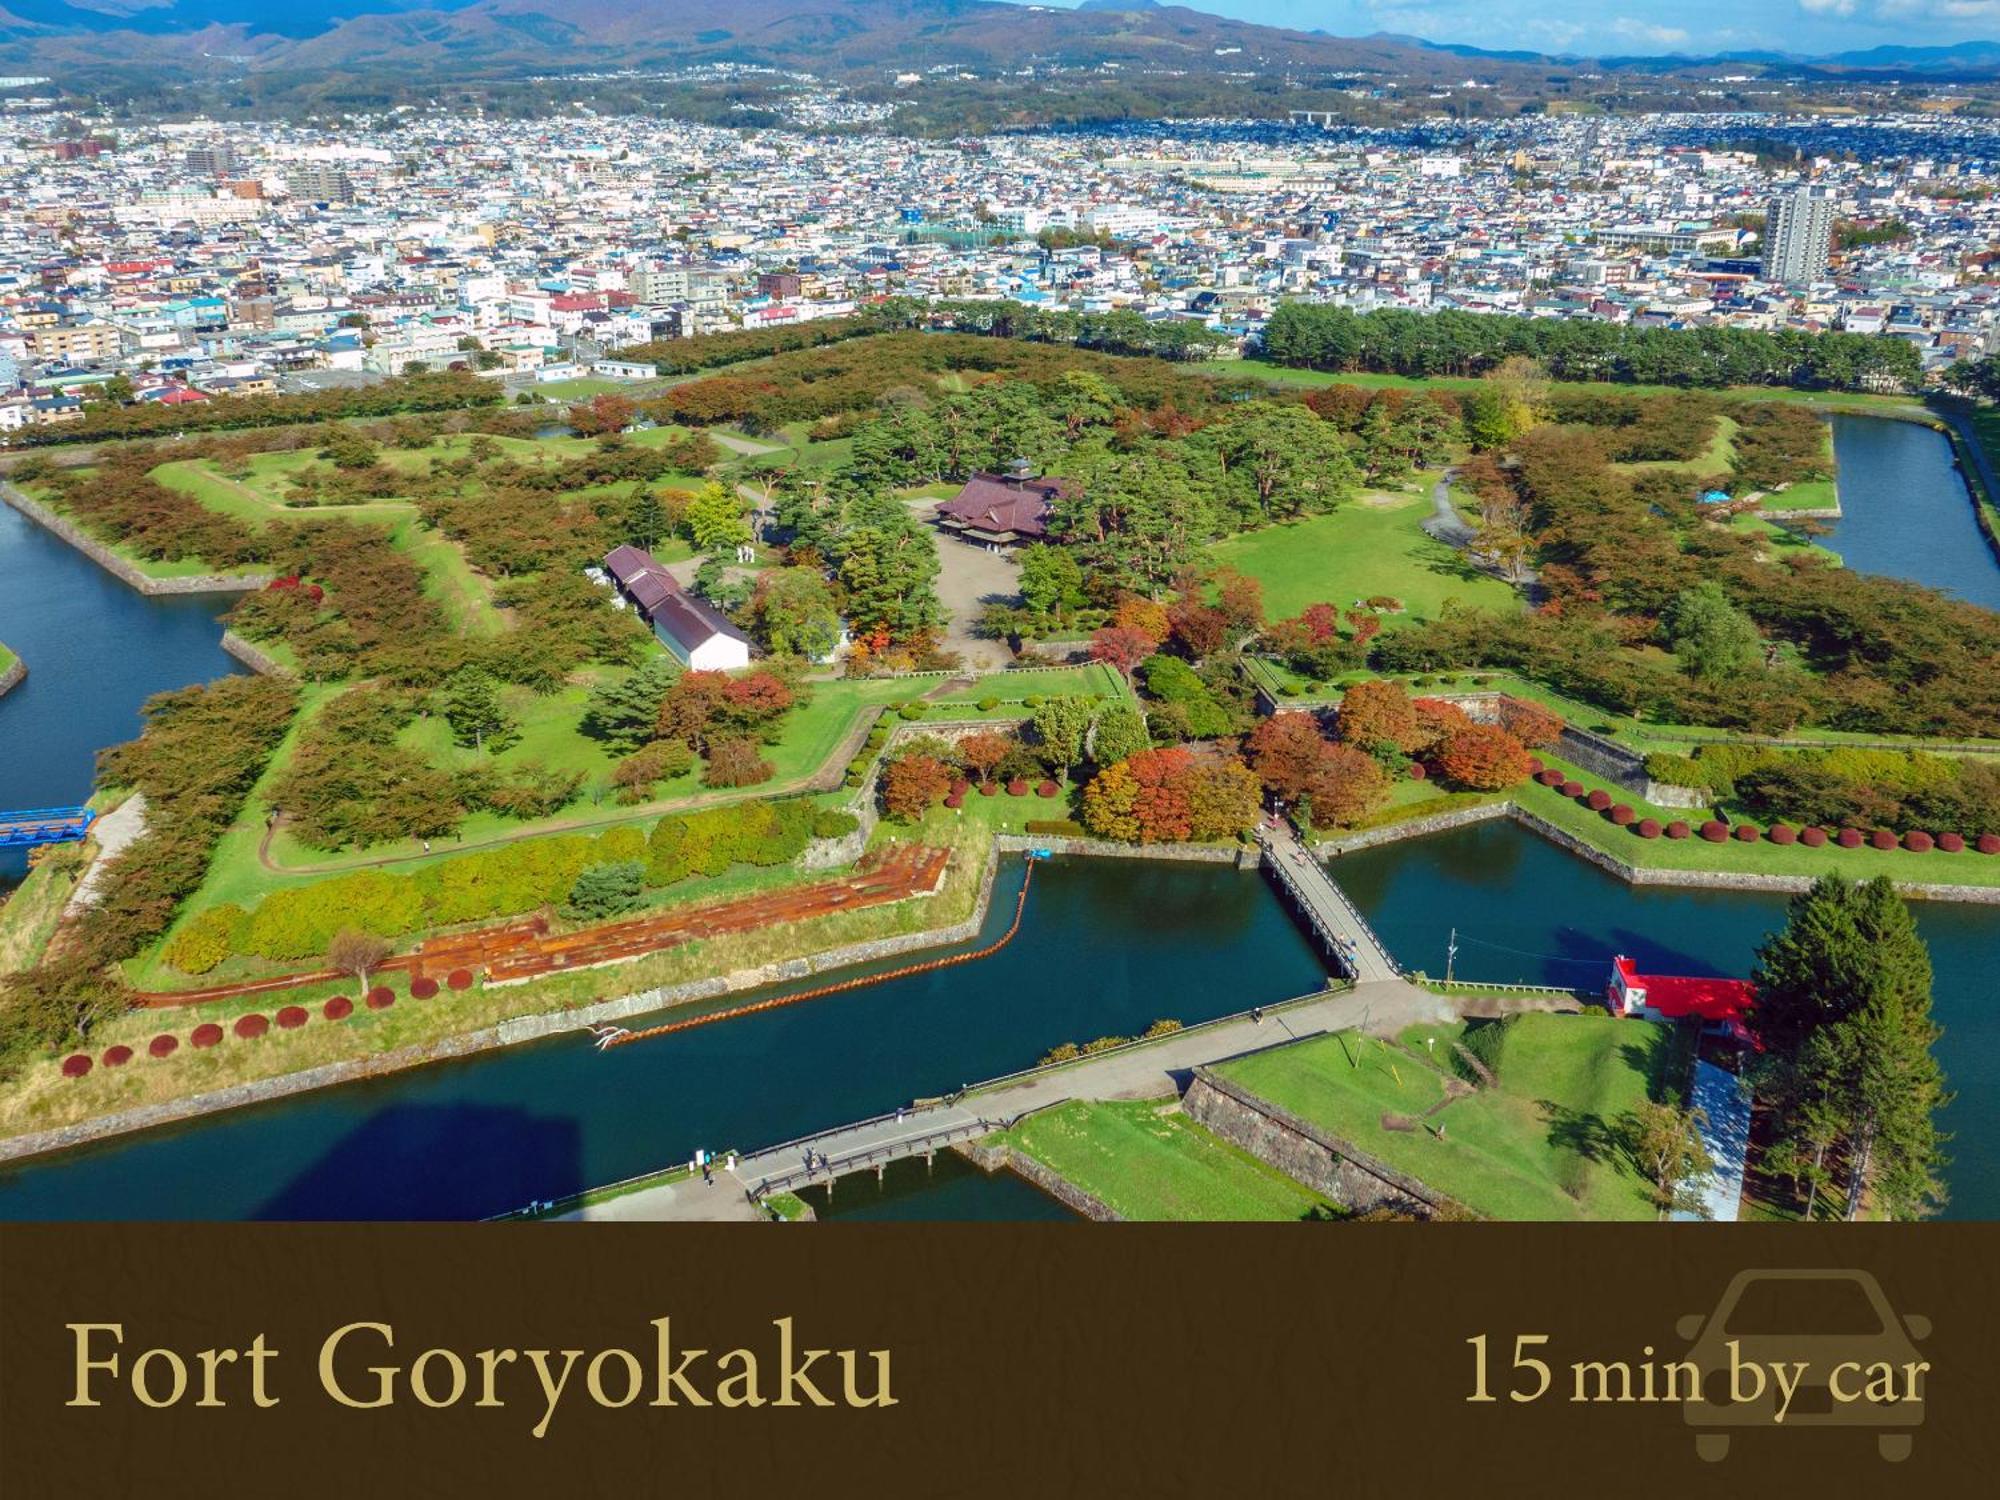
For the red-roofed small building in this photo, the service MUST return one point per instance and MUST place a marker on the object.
(1719, 1004)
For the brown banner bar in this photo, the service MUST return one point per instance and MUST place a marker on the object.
(359, 1360)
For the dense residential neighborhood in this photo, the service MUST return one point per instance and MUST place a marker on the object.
(180, 262)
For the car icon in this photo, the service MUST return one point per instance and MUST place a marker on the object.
(1840, 1325)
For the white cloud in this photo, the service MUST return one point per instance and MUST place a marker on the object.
(1647, 33)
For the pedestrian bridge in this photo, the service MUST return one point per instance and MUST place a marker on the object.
(1342, 931)
(47, 825)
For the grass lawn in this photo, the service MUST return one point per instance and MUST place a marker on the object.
(7, 657)
(1149, 1163)
(1367, 547)
(1714, 458)
(1056, 682)
(1541, 1144)
(578, 389)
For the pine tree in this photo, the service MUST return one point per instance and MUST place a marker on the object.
(624, 711)
(472, 706)
(1844, 1015)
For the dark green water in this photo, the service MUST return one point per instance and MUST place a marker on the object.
(949, 1190)
(1108, 946)
(1527, 913)
(1905, 510)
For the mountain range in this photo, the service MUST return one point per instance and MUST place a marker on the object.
(838, 38)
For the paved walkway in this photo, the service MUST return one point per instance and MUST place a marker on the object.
(1341, 928)
(112, 834)
(1445, 523)
(1384, 1007)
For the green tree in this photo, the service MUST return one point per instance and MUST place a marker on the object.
(794, 613)
(1711, 637)
(608, 890)
(1844, 1016)
(1666, 1145)
(472, 705)
(715, 519)
(623, 711)
(645, 520)
(1051, 580)
(1120, 731)
(1061, 725)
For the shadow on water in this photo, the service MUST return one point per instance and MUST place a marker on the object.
(458, 1142)
(950, 1189)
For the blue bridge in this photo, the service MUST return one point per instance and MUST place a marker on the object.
(47, 825)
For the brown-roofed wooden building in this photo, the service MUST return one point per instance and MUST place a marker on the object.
(1003, 510)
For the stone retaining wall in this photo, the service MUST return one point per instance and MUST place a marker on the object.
(111, 562)
(1003, 1158)
(1330, 1166)
(1409, 828)
(12, 677)
(260, 662)
(1207, 854)
(505, 1034)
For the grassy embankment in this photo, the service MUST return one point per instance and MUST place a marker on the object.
(1543, 1143)
(40, 1098)
(1147, 1161)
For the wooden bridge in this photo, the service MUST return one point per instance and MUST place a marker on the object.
(47, 825)
(1338, 924)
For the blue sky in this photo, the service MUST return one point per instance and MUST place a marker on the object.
(1638, 26)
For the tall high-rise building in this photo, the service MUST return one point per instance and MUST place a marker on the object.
(211, 161)
(320, 184)
(1798, 234)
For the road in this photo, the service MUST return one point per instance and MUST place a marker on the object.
(1445, 523)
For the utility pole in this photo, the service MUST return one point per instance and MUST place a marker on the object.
(1450, 955)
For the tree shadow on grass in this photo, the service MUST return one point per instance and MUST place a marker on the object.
(1583, 1132)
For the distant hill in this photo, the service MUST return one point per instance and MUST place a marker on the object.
(1154, 58)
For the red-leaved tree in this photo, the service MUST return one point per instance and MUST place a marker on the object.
(1484, 758)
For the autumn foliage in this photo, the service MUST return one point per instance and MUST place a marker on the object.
(1160, 796)
(1530, 723)
(1379, 715)
(1297, 763)
(1484, 758)
(910, 785)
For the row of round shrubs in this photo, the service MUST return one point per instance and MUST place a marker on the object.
(1018, 787)
(1717, 832)
(250, 1026)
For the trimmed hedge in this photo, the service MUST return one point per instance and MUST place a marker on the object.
(339, 1008)
(1918, 842)
(1571, 789)
(76, 1065)
(205, 1035)
(1047, 789)
(1649, 828)
(292, 1017)
(1951, 843)
(1813, 837)
(1715, 832)
(1622, 815)
(1598, 800)
(1748, 833)
(1677, 829)
(250, 1027)
(1848, 838)
(118, 1056)
(1989, 843)
(1882, 838)
(423, 987)
(166, 1044)
(1783, 833)
(381, 997)
(458, 979)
